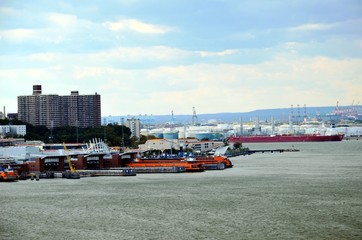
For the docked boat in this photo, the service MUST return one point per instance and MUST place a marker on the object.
(191, 164)
(285, 138)
(7, 173)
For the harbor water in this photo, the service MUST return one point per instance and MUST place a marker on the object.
(315, 193)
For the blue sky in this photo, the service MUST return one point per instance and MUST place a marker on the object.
(158, 56)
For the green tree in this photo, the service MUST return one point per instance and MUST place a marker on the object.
(237, 145)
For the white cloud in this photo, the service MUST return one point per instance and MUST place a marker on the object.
(230, 87)
(219, 54)
(90, 72)
(210, 88)
(17, 35)
(136, 26)
(7, 11)
(242, 36)
(154, 53)
(291, 45)
(261, 62)
(137, 57)
(56, 29)
(311, 27)
(63, 20)
(44, 57)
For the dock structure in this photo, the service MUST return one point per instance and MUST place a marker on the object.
(214, 166)
(165, 164)
(249, 152)
(274, 150)
(174, 169)
(98, 161)
(109, 172)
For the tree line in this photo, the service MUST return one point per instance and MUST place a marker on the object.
(112, 134)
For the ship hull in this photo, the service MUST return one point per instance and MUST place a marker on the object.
(285, 138)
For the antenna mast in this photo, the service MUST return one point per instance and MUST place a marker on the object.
(194, 117)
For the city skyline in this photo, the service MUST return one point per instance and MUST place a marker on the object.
(154, 57)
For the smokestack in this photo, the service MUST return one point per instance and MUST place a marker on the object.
(36, 89)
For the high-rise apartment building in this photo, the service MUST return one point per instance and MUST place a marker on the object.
(134, 125)
(59, 111)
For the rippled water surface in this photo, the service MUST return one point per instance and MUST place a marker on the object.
(312, 194)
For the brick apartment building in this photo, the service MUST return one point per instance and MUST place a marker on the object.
(53, 110)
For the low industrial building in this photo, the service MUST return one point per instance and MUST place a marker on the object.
(182, 144)
(50, 158)
(11, 142)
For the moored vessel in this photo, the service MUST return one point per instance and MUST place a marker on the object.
(285, 138)
(7, 173)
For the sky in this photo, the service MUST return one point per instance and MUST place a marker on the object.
(159, 56)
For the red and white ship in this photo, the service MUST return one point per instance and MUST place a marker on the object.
(285, 138)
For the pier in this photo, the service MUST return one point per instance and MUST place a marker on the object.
(249, 152)
(109, 172)
(174, 169)
(273, 150)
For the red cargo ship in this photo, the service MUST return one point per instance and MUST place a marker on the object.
(285, 138)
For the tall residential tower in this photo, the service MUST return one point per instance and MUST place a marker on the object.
(59, 111)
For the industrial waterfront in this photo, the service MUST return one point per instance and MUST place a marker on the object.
(314, 193)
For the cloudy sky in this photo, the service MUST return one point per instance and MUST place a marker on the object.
(158, 56)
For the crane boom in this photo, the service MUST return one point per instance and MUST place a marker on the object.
(71, 167)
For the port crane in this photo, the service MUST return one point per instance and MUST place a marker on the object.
(72, 174)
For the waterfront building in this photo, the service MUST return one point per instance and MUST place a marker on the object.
(160, 144)
(39, 157)
(199, 146)
(53, 110)
(180, 144)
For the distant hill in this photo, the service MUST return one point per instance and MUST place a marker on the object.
(279, 114)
